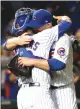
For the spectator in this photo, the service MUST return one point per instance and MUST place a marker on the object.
(11, 85)
(78, 34)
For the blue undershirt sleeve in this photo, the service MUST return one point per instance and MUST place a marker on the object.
(4, 46)
(63, 27)
(56, 65)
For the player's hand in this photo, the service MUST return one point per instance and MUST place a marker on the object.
(60, 18)
(24, 61)
(23, 39)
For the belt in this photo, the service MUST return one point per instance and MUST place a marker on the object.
(38, 85)
(31, 84)
(53, 87)
(56, 87)
(34, 84)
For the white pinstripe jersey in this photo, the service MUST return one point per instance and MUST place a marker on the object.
(41, 47)
(62, 50)
(44, 41)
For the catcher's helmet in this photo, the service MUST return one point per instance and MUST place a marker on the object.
(22, 18)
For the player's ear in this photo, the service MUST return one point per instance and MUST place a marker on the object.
(49, 25)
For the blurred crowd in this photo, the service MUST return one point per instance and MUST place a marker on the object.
(10, 88)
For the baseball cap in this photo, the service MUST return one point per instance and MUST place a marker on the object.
(40, 18)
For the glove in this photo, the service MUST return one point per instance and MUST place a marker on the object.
(19, 70)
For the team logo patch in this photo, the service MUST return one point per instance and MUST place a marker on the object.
(61, 51)
(46, 21)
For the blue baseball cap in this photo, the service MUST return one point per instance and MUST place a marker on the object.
(40, 18)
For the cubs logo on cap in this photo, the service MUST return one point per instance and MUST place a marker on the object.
(61, 51)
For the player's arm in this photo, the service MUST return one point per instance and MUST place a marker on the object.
(39, 63)
(48, 65)
(12, 43)
(57, 63)
(61, 54)
(64, 23)
(61, 18)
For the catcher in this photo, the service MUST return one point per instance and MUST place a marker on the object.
(22, 74)
(22, 17)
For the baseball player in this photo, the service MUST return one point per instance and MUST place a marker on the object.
(40, 78)
(62, 86)
(41, 86)
(22, 17)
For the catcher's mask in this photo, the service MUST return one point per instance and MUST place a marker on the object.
(22, 18)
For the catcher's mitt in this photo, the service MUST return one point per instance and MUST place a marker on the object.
(19, 70)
